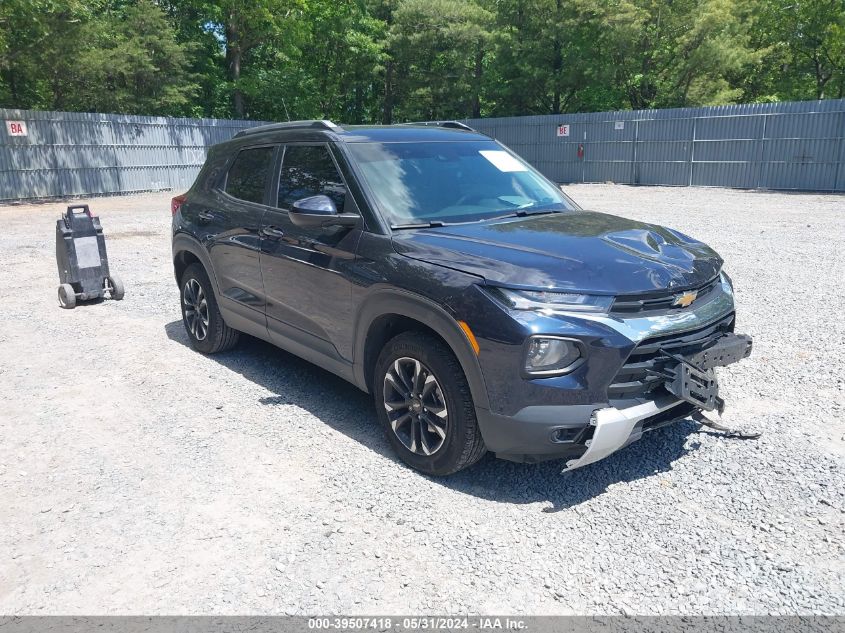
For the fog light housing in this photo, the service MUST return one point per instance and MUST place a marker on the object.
(552, 355)
(566, 435)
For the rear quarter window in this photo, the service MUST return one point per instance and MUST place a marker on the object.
(247, 177)
(213, 170)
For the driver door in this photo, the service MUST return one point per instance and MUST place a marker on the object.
(306, 270)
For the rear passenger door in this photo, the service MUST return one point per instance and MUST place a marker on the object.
(233, 225)
(306, 270)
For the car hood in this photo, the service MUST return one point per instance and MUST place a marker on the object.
(582, 250)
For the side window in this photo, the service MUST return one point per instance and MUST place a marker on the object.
(248, 174)
(309, 171)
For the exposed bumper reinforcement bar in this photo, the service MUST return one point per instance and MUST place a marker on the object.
(614, 427)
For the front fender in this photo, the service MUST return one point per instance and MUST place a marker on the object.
(407, 304)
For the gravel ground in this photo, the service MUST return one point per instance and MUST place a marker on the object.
(137, 476)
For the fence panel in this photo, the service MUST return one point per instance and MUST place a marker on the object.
(793, 145)
(70, 153)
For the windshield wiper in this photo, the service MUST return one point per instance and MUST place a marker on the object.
(418, 225)
(517, 213)
(522, 213)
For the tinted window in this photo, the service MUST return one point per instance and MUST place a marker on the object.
(248, 174)
(309, 171)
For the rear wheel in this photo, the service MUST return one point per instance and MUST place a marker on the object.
(67, 297)
(424, 404)
(204, 324)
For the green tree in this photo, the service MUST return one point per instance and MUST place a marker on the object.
(384, 60)
(258, 30)
(671, 54)
(546, 59)
(93, 56)
(383, 11)
(136, 63)
(190, 20)
(343, 58)
(439, 48)
(41, 41)
(806, 40)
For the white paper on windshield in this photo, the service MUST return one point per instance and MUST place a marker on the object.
(502, 160)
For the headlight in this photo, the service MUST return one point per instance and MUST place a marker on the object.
(543, 300)
(727, 282)
(547, 355)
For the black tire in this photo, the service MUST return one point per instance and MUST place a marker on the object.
(117, 289)
(67, 297)
(206, 329)
(462, 445)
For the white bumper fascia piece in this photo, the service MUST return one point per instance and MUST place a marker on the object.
(613, 429)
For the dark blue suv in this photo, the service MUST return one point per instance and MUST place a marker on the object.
(433, 268)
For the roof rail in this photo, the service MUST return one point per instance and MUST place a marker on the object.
(450, 124)
(288, 125)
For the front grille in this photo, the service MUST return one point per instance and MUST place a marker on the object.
(658, 301)
(634, 379)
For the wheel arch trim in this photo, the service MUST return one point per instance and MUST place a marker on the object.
(183, 243)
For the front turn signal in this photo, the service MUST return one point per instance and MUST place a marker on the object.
(470, 336)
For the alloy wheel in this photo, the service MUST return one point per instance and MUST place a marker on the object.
(196, 309)
(415, 405)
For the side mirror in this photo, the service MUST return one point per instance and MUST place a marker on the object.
(319, 211)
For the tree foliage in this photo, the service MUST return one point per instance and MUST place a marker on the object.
(390, 60)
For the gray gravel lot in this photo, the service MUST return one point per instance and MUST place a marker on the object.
(137, 476)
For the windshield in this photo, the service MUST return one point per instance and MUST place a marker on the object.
(461, 181)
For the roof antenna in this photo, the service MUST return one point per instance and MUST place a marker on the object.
(286, 109)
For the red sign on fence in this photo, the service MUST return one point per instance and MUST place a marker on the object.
(16, 128)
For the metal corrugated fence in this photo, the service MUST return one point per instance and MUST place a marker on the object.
(791, 145)
(797, 145)
(72, 153)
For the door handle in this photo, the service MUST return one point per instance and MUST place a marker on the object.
(205, 216)
(272, 231)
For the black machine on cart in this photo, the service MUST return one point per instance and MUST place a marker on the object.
(82, 259)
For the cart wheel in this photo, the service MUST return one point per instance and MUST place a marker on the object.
(67, 297)
(116, 288)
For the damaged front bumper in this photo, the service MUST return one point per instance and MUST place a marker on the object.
(583, 434)
(667, 375)
(614, 428)
(692, 380)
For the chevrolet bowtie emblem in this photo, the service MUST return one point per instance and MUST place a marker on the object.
(685, 299)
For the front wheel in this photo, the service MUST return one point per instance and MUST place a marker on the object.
(115, 286)
(424, 404)
(206, 329)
